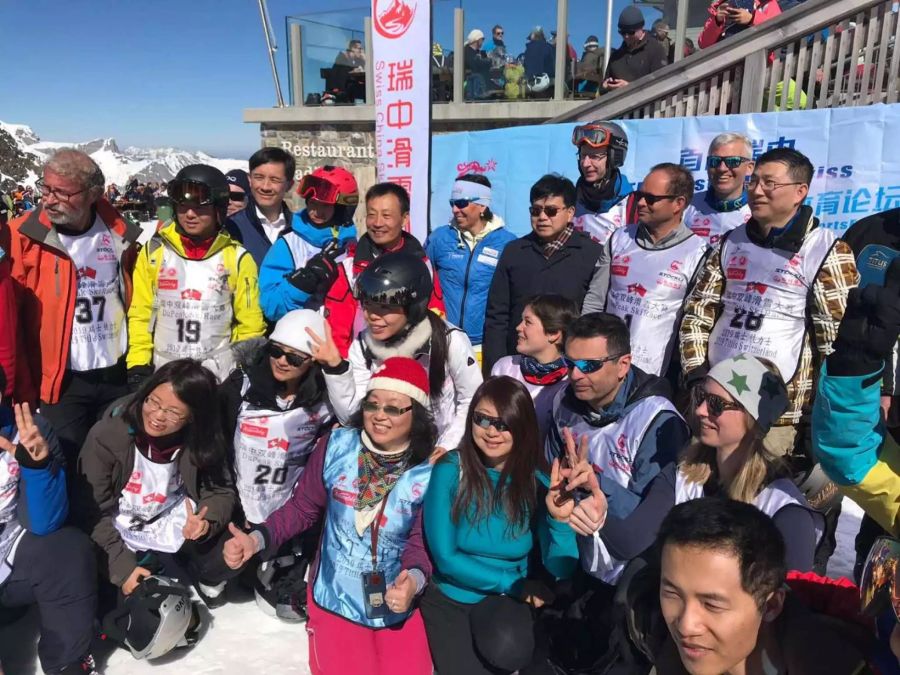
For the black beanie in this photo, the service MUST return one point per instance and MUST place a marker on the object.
(631, 18)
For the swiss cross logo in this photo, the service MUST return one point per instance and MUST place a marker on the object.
(280, 443)
(191, 294)
(393, 17)
(757, 288)
(87, 273)
(637, 289)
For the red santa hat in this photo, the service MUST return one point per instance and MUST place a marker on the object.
(404, 376)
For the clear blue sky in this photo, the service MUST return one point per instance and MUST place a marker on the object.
(180, 72)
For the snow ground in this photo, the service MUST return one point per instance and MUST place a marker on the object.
(241, 639)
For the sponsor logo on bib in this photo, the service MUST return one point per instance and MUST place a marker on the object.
(254, 430)
(168, 284)
(154, 498)
(737, 267)
(637, 289)
(752, 287)
(343, 496)
(619, 266)
(278, 443)
(134, 483)
(191, 294)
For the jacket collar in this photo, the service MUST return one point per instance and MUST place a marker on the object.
(574, 241)
(169, 233)
(37, 226)
(788, 238)
(366, 251)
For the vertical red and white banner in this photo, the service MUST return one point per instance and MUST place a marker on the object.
(401, 53)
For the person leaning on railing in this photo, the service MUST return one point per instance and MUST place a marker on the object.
(727, 18)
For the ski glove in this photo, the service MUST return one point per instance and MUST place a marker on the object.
(320, 271)
(869, 330)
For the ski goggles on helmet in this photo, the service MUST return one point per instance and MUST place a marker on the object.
(314, 187)
(191, 192)
(593, 135)
(878, 586)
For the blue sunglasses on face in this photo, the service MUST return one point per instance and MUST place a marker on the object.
(588, 366)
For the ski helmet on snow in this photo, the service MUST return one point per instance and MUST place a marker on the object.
(397, 279)
(154, 619)
(602, 134)
(202, 185)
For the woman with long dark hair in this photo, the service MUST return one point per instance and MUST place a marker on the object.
(539, 364)
(394, 292)
(155, 491)
(484, 512)
(366, 483)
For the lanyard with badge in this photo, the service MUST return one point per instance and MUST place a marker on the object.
(374, 584)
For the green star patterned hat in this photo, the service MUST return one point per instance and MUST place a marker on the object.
(761, 392)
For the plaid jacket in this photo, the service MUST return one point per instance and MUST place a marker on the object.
(826, 303)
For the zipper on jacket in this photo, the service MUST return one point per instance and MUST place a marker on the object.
(462, 304)
(56, 275)
(247, 287)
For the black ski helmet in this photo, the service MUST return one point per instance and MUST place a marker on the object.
(397, 279)
(199, 175)
(603, 134)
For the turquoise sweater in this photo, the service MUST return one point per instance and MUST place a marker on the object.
(471, 562)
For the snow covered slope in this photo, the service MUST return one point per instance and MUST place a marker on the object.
(119, 166)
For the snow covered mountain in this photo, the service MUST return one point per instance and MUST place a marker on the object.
(22, 152)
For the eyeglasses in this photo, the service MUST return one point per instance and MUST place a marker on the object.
(389, 410)
(732, 161)
(461, 203)
(715, 405)
(768, 184)
(551, 211)
(485, 421)
(236, 196)
(878, 587)
(651, 199)
(588, 366)
(276, 351)
(153, 406)
(189, 192)
(47, 191)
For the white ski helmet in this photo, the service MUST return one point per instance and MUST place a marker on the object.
(291, 329)
(539, 83)
(154, 619)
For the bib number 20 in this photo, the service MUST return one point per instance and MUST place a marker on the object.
(188, 330)
(745, 320)
(265, 475)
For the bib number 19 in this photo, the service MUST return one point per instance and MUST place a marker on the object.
(188, 330)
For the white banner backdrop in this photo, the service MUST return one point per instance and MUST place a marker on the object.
(401, 50)
(857, 171)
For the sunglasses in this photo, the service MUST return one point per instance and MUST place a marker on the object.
(715, 405)
(276, 352)
(878, 588)
(551, 211)
(651, 199)
(485, 421)
(732, 161)
(588, 366)
(389, 410)
(627, 33)
(236, 196)
(461, 203)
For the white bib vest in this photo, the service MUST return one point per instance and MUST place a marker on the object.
(600, 226)
(152, 511)
(647, 289)
(270, 450)
(11, 532)
(706, 222)
(764, 302)
(193, 311)
(99, 335)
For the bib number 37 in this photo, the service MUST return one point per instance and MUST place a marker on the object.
(88, 310)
